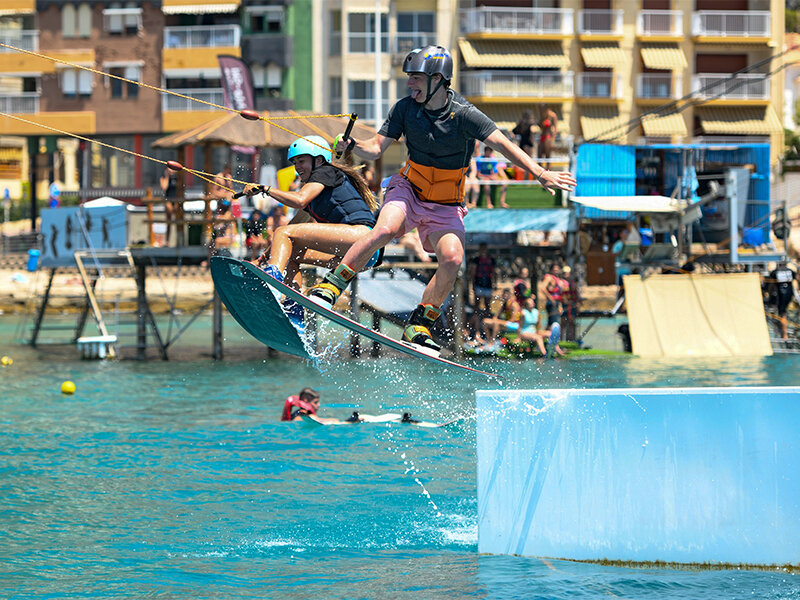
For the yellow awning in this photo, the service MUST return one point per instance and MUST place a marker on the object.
(664, 125)
(487, 54)
(198, 8)
(664, 56)
(740, 120)
(601, 123)
(506, 116)
(11, 154)
(602, 55)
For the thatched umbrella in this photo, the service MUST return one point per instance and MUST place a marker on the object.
(232, 129)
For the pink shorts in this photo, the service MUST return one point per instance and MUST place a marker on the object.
(426, 217)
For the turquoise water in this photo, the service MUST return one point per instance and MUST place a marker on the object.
(176, 480)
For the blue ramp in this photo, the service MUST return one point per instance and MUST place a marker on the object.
(695, 475)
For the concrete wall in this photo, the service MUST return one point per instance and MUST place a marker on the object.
(701, 475)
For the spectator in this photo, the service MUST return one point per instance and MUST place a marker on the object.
(471, 187)
(506, 319)
(548, 126)
(256, 232)
(521, 286)
(525, 130)
(552, 289)
(169, 188)
(481, 274)
(222, 188)
(223, 231)
(571, 299)
(492, 169)
(782, 281)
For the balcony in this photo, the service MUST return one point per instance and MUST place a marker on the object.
(493, 86)
(658, 86)
(260, 48)
(212, 36)
(743, 88)
(600, 23)
(23, 103)
(599, 86)
(658, 24)
(740, 25)
(170, 103)
(23, 39)
(527, 22)
(365, 109)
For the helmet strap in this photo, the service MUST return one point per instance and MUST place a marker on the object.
(431, 93)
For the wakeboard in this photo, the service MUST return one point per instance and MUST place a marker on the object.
(376, 336)
(252, 303)
(356, 417)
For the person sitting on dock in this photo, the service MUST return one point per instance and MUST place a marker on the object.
(506, 319)
(526, 326)
(335, 208)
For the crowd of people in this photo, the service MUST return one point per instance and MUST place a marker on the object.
(498, 309)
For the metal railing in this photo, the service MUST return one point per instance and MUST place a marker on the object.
(731, 23)
(599, 85)
(360, 42)
(211, 36)
(553, 21)
(659, 23)
(23, 39)
(515, 84)
(745, 86)
(24, 102)
(178, 104)
(659, 86)
(600, 22)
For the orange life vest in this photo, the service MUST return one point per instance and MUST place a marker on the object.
(444, 186)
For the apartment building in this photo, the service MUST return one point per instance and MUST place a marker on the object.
(602, 65)
(170, 44)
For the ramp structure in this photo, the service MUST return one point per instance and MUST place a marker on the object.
(697, 475)
(697, 315)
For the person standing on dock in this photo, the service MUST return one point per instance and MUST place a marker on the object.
(440, 129)
(783, 280)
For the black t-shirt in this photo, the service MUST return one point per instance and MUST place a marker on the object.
(443, 138)
(782, 278)
(327, 175)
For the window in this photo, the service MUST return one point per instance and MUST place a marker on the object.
(265, 19)
(336, 32)
(113, 18)
(68, 28)
(267, 80)
(124, 89)
(335, 94)
(361, 38)
(84, 20)
(362, 99)
(76, 82)
(415, 30)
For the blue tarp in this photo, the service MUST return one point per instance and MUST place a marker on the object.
(487, 220)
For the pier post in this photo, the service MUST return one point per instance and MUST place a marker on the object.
(216, 330)
(141, 312)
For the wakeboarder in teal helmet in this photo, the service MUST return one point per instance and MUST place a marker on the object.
(430, 60)
(312, 145)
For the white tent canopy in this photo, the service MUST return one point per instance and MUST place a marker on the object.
(639, 204)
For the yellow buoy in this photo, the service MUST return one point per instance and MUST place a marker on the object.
(67, 387)
(6, 361)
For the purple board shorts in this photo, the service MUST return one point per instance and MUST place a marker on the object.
(427, 217)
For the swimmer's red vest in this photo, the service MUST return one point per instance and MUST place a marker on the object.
(295, 402)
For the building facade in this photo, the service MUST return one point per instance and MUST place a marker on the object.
(606, 66)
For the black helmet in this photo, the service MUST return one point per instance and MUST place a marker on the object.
(431, 60)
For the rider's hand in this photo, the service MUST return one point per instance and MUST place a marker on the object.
(251, 189)
(342, 144)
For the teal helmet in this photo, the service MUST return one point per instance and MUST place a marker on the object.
(312, 145)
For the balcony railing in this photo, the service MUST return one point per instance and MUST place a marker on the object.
(600, 22)
(406, 42)
(731, 23)
(518, 84)
(25, 102)
(178, 104)
(24, 39)
(745, 86)
(599, 85)
(212, 36)
(659, 86)
(542, 21)
(659, 23)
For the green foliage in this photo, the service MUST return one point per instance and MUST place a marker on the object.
(791, 20)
